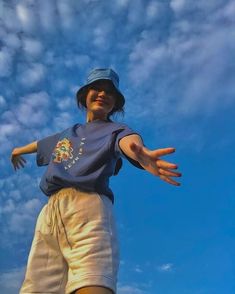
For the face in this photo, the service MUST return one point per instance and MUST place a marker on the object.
(101, 99)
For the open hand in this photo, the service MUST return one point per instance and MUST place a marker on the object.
(150, 161)
(17, 160)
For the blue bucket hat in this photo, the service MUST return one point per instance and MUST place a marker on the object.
(102, 74)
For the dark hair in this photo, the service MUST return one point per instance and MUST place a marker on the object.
(81, 103)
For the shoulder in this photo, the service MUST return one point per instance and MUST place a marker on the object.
(119, 125)
(71, 129)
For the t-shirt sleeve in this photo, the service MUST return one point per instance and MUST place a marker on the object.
(45, 148)
(121, 133)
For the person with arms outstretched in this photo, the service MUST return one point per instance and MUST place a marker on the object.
(75, 247)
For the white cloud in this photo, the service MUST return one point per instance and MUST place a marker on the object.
(8, 129)
(19, 208)
(138, 269)
(135, 13)
(22, 13)
(1, 9)
(211, 65)
(225, 14)
(127, 289)
(32, 110)
(177, 5)
(60, 85)
(167, 267)
(184, 70)
(78, 61)
(20, 216)
(27, 16)
(82, 60)
(8, 207)
(32, 47)
(229, 10)
(122, 3)
(31, 206)
(102, 34)
(65, 103)
(11, 280)
(145, 58)
(12, 41)
(63, 120)
(32, 75)
(153, 10)
(49, 57)
(5, 62)
(19, 223)
(66, 14)
(2, 102)
(48, 15)
(9, 18)
(15, 194)
(191, 6)
(17, 183)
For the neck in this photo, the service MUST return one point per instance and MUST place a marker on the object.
(91, 116)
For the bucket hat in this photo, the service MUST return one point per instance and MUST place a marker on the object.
(102, 74)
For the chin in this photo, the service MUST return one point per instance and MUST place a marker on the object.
(100, 112)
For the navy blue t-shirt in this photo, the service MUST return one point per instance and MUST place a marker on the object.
(83, 156)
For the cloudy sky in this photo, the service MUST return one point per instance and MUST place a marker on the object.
(176, 61)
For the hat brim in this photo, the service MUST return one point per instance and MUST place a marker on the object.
(120, 101)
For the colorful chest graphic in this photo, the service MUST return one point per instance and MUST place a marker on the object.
(63, 151)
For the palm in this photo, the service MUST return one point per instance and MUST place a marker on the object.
(18, 161)
(150, 161)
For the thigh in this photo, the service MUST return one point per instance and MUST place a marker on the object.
(46, 270)
(91, 249)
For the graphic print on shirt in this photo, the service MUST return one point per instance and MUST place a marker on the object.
(63, 151)
(66, 152)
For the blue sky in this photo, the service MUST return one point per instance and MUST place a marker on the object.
(176, 64)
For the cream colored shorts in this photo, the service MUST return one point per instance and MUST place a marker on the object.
(75, 245)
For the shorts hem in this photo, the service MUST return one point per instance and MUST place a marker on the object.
(91, 280)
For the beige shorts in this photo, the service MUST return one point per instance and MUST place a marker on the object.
(75, 245)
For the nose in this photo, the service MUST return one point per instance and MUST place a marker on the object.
(101, 93)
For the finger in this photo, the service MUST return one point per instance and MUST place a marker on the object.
(22, 158)
(161, 152)
(166, 172)
(169, 180)
(165, 164)
(16, 165)
(21, 163)
(18, 162)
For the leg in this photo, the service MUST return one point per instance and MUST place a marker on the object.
(91, 249)
(94, 290)
(46, 269)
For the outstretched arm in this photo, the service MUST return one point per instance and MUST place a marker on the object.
(133, 147)
(16, 158)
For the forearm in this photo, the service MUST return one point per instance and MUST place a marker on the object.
(125, 145)
(30, 148)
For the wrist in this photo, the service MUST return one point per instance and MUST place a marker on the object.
(16, 151)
